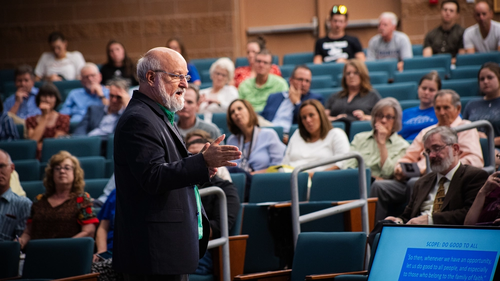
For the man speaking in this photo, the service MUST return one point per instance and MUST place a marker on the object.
(161, 228)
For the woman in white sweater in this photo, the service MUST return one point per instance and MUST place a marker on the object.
(315, 139)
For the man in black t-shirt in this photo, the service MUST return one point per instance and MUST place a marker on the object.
(336, 46)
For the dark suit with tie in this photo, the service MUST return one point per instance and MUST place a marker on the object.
(156, 224)
(462, 191)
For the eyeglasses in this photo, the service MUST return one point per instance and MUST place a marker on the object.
(220, 74)
(302, 80)
(381, 116)
(67, 168)
(176, 76)
(115, 96)
(263, 61)
(436, 149)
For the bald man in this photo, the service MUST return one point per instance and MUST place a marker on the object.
(484, 36)
(161, 227)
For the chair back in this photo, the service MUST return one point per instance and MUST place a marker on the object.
(239, 180)
(95, 187)
(28, 170)
(9, 258)
(275, 187)
(337, 185)
(58, 258)
(79, 147)
(20, 149)
(33, 188)
(94, 167)
(358, 127)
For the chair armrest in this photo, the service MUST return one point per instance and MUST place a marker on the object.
(333, 275)
(282, 274)
(86, 277)
(10, 278)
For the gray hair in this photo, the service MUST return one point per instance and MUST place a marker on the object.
(448, 135)
(146, 63)
(388, 102)
(224, 63)
(389, 15)
(9, 160)
(119, 83)
(455, 98)
(90, 65)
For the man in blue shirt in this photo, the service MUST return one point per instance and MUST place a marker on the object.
(282, 109)
(92, 93)
(14, 209)
(23, 104)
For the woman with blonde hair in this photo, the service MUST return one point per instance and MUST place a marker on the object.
(64, 210)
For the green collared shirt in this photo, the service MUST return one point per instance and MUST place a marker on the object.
(257, 96)
(365, 144)
(170, 114)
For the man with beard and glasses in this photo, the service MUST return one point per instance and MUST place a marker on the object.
(161, 229)
(445, 195)
(392, 193)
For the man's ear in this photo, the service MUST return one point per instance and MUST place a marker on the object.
(456, 148)
(150, 78)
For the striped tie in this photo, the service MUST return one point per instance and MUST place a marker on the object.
(438, 200)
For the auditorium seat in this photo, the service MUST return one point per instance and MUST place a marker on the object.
(66, 86)
(326, 92)
(243, 61)
(321, 82)
(337, 185)
(95, 187)
(465, 72)
(79, 147)
(359, 126)
(33, 188)
(477, 59)
(286, 71)
(20, 149)
(9, 259)
(399, 91)
(94, 167)
(205, 76)
(331, 69)
(376, 77)
(294, 127)
(20, 130)
(408, 103)
(275, 187)
(219, 119)
(436, 61)
(416, 74)
(464, 87)
(278, 130)
(298, 58)
(417, 49)
(28, 170)
(239, 180)
(205, 85)
(203, 64)
(387, 65)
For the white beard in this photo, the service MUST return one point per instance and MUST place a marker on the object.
(171, 102)
(445, 162)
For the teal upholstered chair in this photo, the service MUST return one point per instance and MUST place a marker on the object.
(9, 259)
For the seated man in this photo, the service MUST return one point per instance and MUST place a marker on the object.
(14, 209)
(447, 107)
(92, 93)
(188, 121)
(282, 109)
(445, 195)
(484, 36)
(448, 37)
(337, 46)
(100, 120)
(23, 104)
(389, 43)
(257, 90)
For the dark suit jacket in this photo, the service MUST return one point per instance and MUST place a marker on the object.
(156, 216)
(462, 191)
(90, 121)
(274, 101)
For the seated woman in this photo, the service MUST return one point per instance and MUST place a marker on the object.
(119, 65)
(50, 124)
(357, 98)
(420, 117)
(59, 64)
(64, 210)
(260, 147)
(486, 207)
(381, 147)
(487, 108)
(177, 45)
(315, 139)
(244, 72)
(217, 98)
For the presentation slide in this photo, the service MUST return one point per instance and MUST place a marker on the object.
(413, 253)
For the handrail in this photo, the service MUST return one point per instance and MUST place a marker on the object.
(285, 28)
(362, 202)
(224, 233)
(491, 139)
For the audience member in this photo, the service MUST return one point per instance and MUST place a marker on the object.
(92, 93)
(260, 147)
(417, 118)
(14, 209)
(485, 35)
(336, 46)
(445, 195)
(188, 121)
(282, 109)
(23, 104)
(257, 90)
(59, 64)
(357, 98)
(389, 43)
(100, 120)
(487, 108)
(177, 45)
(49, 124)
(242, 73)
(217, 98)
(197, 144)
(195, 135)
(486, 207)
(8, 129)
(447, 37)
(315, 139)
(118, 65)
(381, 147)
(447, 107)
(64, 210)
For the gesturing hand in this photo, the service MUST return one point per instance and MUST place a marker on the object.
(216, 155)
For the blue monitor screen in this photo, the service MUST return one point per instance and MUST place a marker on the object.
(412, 253)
